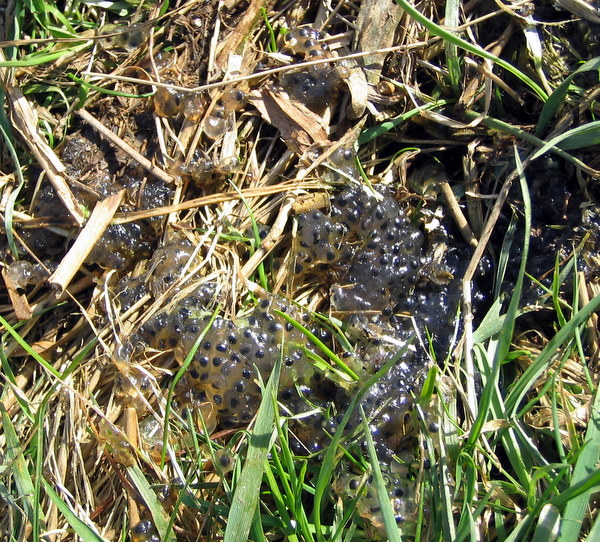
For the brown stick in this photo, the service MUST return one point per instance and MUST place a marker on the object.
(125, 147)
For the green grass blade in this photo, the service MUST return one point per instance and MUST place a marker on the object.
(506, 332)
(376, 131)
(6, 132)
(38, 59)
(546, 356)
(471, 48)
(82, 530)
(576, 138)
(557, 98)
(389, 520)
(587, 462)
(548, 524)
(585, 486)
(245, 497)
(19, 470)
(161, 521)
(452, 19)
(328, 463)
(496, 124)
(320, 345)
(108, 92)
(28, 349)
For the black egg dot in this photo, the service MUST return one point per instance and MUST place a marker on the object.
(207, 345)
(399, 492)
(217, 361)
(259, 354)
(203, 361)
(288, 326)
(240, 386)
(217, 399)
(353, 484)
(234, 403)
(246, 373)
(221, 347)
(245, 350)
(264, 303)
(286, 395)
(232, 339)
(204, 377)
(194, 373)
(225, 460)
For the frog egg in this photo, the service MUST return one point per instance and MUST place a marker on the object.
(167, 263)
(224, 461)
(168, 102)
(233, 100)
(303, 40)
(151, 433)
(195, 107)
(129, 291)
(144, 531)
(348, 485)
(215, 125)
(316, 90)
(342, 159)
(123, 244)
(131, 385)
(116, 442)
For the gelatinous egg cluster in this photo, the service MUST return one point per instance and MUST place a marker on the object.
(169, 101)
(231, 357)
(315, 86)
(379, 263)
(360, 489)
(144, 531)
(121, 244)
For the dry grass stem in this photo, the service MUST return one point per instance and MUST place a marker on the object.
(87, 238)
(125, 147)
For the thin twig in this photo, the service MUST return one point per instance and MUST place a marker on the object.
(125, 147)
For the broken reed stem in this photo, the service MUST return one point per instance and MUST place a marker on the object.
(87, 239)
(25, 121)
